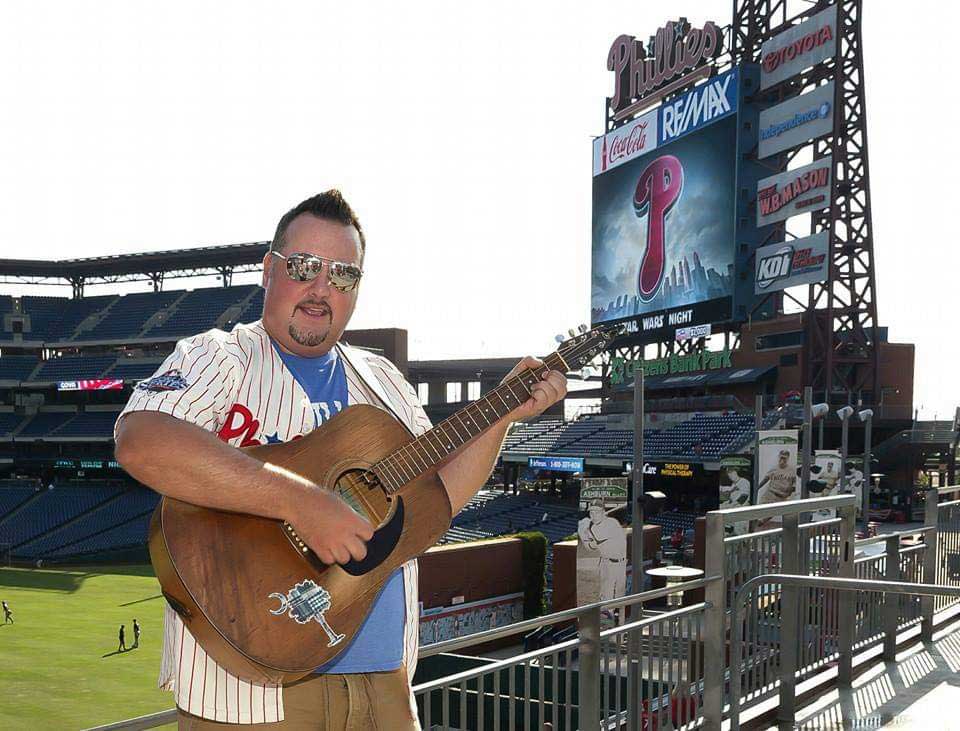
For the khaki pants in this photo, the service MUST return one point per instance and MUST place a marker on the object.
(358, 702)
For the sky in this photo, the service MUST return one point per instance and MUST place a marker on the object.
(460, 132)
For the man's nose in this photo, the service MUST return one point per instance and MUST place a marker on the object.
(319, 286)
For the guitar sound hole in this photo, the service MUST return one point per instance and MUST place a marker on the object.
(362, 492)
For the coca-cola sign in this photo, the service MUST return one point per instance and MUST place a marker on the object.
(673, 53)
(625, 143)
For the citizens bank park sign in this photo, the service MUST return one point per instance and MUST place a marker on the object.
(794, 192)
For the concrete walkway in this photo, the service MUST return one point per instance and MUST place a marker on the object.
(921, 690)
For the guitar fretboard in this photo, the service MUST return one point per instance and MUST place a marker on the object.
(432, 447)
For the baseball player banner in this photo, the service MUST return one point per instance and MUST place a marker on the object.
(777, 460)
(824, 479)
(601, 554)
(735, 488)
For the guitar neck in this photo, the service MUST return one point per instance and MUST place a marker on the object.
(432, 447)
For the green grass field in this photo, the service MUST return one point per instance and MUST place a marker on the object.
(59, 662)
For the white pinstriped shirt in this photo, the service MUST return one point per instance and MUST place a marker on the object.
(235, 385)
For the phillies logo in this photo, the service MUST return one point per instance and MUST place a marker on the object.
(240, 423)
(658, 190)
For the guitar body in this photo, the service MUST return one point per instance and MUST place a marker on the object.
(261, 604)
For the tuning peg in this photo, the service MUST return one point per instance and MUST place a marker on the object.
(571, 333)
(582, 328)
(559, 338)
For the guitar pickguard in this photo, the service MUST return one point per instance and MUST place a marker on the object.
(381, 545)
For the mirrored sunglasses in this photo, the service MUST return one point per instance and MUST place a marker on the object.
(307, 267)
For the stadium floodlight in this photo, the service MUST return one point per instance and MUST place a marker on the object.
(818, 410)
(865, 414)
(845, 413)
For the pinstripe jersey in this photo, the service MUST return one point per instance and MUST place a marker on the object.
(236, 385)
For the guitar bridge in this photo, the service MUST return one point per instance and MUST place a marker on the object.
(294, 538)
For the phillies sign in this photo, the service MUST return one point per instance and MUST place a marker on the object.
(625, 143)
(674, 53)
(804, 45)
(796, 191)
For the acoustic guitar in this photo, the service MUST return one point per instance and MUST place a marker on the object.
(257, 599)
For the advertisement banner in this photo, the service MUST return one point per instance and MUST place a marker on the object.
(735, 490)
(804, 45)
(794, 192)
(611, 490)
(824, 479)
(801, 261)
(601, 554)
(700, 106)
(664, 235)
(777, 458)
(796, 121)
(557, 464)
(625, 143)
(94, 384)
(695, 331)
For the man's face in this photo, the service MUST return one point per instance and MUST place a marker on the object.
(596, 514)
(783, 461)
(307, 318)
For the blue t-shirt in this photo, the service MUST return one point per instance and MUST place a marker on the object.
(378, 645)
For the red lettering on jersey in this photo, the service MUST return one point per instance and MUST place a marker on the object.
(246, 427)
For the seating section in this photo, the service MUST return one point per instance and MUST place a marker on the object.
(254, 309)
(89, 424)
(14, 493)
(17, 367)
(491, 514)
(127, 535)
(56, 318)
(9, 422)
(74, 367)
(129, 314)
(704, 436)
(134, 369)
(133, 504)
(671, 521)
(199, 310)
(44, 423)
(51, 509)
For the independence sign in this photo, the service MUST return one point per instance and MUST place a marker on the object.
(557, 464)
(796, 121)
(794, 192)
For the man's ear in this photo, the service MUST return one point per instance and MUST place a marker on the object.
(266, 270)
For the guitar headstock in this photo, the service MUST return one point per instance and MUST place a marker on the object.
(579, 349)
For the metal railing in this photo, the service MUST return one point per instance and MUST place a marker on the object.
(627, 667)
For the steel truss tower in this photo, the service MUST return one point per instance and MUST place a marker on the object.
(841, 354)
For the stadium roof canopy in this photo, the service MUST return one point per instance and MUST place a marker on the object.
(152, 266)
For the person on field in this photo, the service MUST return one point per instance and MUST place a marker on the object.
(136, 633)
(7, 614)
(123, 641)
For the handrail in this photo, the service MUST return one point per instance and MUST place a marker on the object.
(882, 537)
(497, 633)
(787, 507)
(824, 582)
(947, 489)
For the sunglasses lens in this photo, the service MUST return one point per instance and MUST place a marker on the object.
(344, 277)
(303, 268)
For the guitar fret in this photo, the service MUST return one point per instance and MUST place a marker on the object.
(415, 457)
(426, 439)
(519, 400)
(406, 467)
(400, 469)
(418, 445)
(458, 437)
(466, 428)
(387, 474)
(497, 391)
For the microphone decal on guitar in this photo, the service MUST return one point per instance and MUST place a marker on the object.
(304, 602)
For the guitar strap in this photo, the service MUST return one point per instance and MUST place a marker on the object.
(360, 366)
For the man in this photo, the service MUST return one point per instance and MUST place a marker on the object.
(7, 614)
(272, 381)
(123, 642)
(604, 534)
(136, 633)
(780, 481)
(737, 492)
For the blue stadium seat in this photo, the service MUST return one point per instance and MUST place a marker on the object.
(51, 509)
